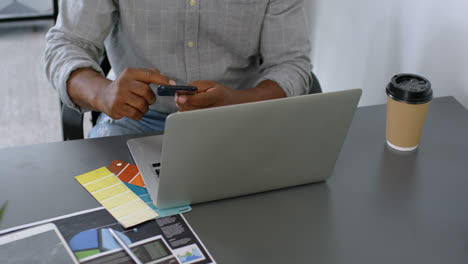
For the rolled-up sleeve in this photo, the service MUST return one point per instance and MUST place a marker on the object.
(285, 47)
(77, 41)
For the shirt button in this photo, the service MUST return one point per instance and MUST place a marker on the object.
(190, 44)
(193, 2)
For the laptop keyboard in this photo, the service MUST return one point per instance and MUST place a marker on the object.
(157, 168)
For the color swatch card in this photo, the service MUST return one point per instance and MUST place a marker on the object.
(144, 195)
(130, 175)
(116, 197)
(127, 172)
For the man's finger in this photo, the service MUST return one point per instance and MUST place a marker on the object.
(204, 99)
(182, 108)
(156, 70)
(137, 102)
(171, 82)
(144, 90)
(188, 108)
(202, 86)
(147, 76)
(132, 113)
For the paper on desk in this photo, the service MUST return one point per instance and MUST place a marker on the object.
(130, 174)
(144, 195)
(116, 197)
(127, 172)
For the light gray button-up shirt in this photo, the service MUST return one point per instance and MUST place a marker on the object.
(238, 43)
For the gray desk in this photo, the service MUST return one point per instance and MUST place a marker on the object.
(379, 206)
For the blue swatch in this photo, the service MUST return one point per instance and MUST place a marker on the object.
(144, 195)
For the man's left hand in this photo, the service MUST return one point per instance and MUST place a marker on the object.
(209, 94)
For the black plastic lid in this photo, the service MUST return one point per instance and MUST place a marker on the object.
(410, 88)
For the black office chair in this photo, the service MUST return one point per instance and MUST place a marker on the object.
(315, 87)
(72, 121)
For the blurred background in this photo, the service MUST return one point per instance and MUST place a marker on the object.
(355, 44)
(30, 110)
(23, 8)
(363, 43)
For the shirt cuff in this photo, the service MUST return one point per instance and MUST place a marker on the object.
(63, 77)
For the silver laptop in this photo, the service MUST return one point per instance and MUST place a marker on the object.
(229, 151)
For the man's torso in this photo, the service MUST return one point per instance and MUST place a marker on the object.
(189, 40)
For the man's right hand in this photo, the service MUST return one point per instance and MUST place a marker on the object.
(130, 95)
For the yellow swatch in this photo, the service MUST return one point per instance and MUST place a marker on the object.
(116, 197)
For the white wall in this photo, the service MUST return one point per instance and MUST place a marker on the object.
(363, 43)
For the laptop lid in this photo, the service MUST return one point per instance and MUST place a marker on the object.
(229, 151)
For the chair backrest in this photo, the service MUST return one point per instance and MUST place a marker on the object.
(72, 123)
(316, 88)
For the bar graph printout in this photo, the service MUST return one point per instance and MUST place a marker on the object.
(116, 197)
(166, 240)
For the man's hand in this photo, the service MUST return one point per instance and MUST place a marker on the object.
(128, 96)
(213, 94)
(209, 94)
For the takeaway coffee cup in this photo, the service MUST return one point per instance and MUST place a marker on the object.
(408, 98)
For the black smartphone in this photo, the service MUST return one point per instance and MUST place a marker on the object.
(171, 90)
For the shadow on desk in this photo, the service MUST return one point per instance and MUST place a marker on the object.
(396, 176)
(271, 216)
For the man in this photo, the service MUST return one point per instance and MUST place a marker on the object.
(234, 51)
